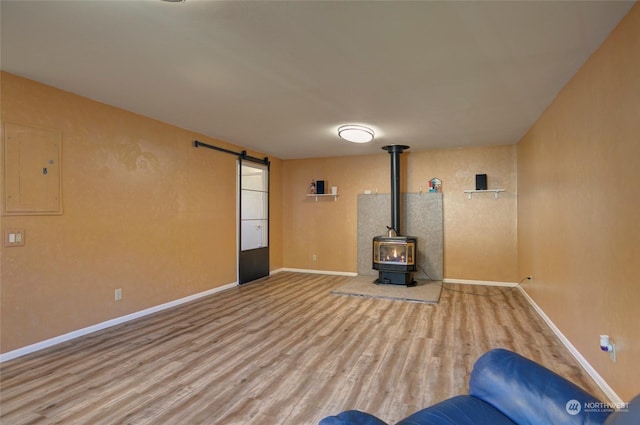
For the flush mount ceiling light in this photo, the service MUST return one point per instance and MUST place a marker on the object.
(355, 133)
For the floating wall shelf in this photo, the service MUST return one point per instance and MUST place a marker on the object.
(495, 192)
(323, 195)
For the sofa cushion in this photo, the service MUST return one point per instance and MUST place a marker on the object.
(528, 393)
(459, 410)
(352, 417)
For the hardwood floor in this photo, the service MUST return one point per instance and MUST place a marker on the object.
(280, 351)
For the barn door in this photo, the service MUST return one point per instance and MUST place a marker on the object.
(253, 258)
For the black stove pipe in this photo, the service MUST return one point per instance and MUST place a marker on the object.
(395, 151)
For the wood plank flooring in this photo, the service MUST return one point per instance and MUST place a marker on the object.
(283, 350)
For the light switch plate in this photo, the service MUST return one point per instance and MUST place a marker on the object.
(13, 237)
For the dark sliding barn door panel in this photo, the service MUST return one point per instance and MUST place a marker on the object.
(253, 258)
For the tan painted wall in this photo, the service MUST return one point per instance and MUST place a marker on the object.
(143, 211)
(479, 234)
(141, 208)
(578, 210)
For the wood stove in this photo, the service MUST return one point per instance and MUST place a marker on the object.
(395, 259)
(394, 256)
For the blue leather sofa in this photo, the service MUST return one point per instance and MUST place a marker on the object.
(506, 389)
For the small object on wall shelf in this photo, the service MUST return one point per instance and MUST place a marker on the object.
(324, 195)
(435, 185)
(481, 182)
(495, 192)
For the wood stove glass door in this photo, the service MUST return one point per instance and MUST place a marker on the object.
(253, 258)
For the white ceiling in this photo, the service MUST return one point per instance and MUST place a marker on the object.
(281, 76)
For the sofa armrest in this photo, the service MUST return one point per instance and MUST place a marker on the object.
(352, 417)
(629, 415)
(529, 393)
(458, 410)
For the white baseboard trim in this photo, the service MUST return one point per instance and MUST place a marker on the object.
(613, 397)
(479, 282)
(286, 269)
(10, 355)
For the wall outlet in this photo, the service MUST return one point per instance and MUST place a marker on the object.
(612, 353)
(118, 294)
(314, 257)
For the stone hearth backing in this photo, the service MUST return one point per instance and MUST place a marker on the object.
(421, 216)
